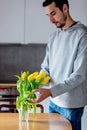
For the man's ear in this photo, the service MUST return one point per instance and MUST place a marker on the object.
(65, 8)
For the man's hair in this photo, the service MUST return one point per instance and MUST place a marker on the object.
(59, 3)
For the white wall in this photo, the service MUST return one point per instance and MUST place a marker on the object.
(38, 27)
(24, 21)
(21, 21)
(11, 20)
(78, 10)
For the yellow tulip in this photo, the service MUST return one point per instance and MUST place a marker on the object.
(23, 76)
(41, 75)
(32, 76)
(35, 74)
(45, 80)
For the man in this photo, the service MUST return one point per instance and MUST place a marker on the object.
(66, 63)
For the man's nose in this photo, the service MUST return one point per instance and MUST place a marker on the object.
(51, 19)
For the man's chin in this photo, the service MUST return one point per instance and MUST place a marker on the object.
(57, 25)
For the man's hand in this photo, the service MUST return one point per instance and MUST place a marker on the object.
(43, 94)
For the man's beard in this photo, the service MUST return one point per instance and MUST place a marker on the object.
(60, 26)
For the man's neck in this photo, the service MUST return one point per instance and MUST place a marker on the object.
(69, 23)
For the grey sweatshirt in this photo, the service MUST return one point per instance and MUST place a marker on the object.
(66, 63)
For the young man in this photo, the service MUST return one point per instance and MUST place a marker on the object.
(66, 63)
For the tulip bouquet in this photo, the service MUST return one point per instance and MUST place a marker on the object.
(25, 84)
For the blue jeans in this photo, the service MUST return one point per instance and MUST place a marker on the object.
(72, 114)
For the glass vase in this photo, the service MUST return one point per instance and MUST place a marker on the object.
(23, 125)
(23, 115)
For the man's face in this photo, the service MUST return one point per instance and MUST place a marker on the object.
(56, 16)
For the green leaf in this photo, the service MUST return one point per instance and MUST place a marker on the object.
(34, 106)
